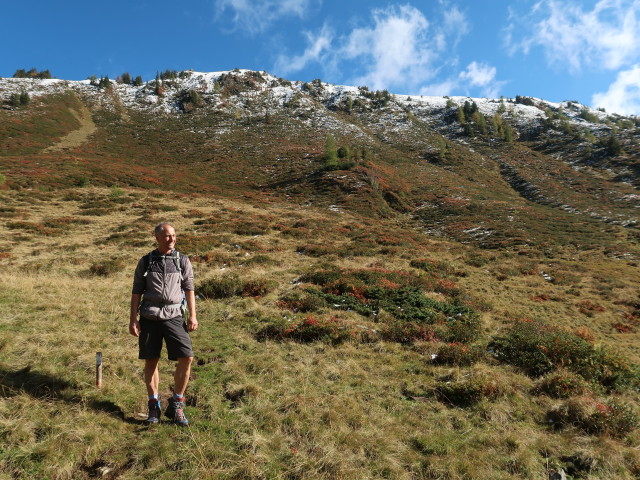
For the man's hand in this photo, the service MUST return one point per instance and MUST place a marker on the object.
(192, 324)
(134, 327)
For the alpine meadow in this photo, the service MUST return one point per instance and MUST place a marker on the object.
(388, 286)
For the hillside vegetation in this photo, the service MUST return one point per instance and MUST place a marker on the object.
(450, 294)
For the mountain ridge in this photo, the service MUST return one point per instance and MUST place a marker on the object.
(404, 150)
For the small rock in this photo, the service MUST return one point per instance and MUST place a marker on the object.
(103, 471)
(558, 475)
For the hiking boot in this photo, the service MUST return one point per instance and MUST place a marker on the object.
(154, 412)
(175, 411)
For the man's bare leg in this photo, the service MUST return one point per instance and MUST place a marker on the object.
(151, 375)
(181, 375)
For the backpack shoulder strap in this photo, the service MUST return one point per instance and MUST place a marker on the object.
(176, 260)
(147, 262)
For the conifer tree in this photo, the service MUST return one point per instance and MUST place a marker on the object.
(125, 78)
(343, 152)
(104, 82)
(195, 98)
(508, 133)
(613, 146)
(331, 154)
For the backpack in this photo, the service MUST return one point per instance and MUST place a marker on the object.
(176, 260)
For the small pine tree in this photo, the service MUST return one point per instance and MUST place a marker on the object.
(24, 98)
(158, 88)
(138, 81)
(125, 78)
(331, 154)
(343, 152)
(481, 122)
(613, 146)
(508, 133)
(32, 73)
(195, 98)
(460, 116)
(104, 82)
(14, 100)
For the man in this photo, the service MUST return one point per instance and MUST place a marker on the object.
(159, 281)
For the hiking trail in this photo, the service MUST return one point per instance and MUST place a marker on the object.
(77, 137)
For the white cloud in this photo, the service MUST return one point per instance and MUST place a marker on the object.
(318, 47)
(395, 50)
(606, 36)
(480, 77)
(255, 16)
(479, 74)
(623, 96)
(398, 48)
(455, 24)
(448, 87)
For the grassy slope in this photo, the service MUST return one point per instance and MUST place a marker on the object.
(270, 409)
(283, 409)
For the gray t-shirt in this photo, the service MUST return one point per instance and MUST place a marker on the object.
(162, 287)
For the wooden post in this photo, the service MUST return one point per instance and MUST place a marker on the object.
(99, 369)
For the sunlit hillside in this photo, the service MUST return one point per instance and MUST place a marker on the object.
(389, 286)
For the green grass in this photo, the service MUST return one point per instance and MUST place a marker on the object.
(322, 393)
(328, 295)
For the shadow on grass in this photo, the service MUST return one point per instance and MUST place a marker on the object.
(43, 386)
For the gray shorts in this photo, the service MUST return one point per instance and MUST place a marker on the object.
(173, 331)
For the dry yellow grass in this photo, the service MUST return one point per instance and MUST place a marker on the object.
(268, 409)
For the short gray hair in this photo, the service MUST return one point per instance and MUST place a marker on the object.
(161, 227)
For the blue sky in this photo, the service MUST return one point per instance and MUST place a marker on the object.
(557, 50)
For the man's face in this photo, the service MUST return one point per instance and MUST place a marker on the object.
(166, 240)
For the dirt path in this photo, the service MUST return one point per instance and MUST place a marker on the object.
(79, 136)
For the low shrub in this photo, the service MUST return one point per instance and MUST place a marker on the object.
(250, 228)
(258, 287)
(469, 390)
(303, 302)
(458, 354)
(538, 349)
(563, 384)
(313, 250)
(310, 329)
(433, 266)
(225, 286)
(107, 267)
(63, 222)
(400, 293)
(597, 417)
(192, 244)
(260, 260)
(407, 332)
(95, 212)
(231, 285)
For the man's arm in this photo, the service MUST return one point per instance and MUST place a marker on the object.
(134, 324)
(192, 323)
